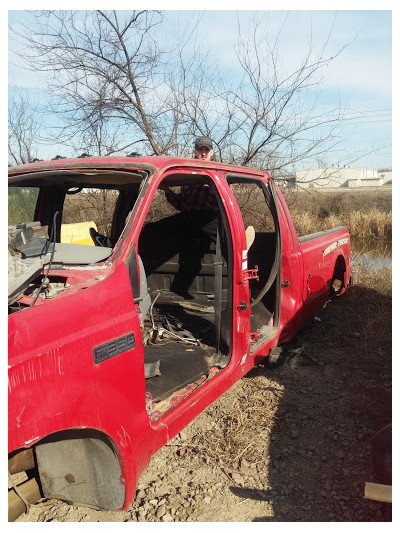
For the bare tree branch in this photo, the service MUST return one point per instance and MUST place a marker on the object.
(23, 128)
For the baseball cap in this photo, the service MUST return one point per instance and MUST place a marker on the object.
(203, 141)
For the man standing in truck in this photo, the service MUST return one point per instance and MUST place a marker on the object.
(195, 225)
(192, 198)
(197, 202)
(203, 148)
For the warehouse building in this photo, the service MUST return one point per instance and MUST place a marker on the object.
(341, 177)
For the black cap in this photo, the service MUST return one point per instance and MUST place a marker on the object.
(203, 141)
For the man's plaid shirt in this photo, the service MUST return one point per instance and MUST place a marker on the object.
(193, 198)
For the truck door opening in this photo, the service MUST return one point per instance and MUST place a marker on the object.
(187, 262)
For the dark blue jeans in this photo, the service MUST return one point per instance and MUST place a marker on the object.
(189, 234)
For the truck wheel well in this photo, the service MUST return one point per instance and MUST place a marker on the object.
(337, 281)
(81, 466)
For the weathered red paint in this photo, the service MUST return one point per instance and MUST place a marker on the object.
(54, 384)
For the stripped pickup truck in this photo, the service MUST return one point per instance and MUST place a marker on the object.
(106, 362)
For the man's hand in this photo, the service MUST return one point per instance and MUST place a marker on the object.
(164, 187)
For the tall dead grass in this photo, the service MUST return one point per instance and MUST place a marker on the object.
(373, 223)
(367, 213)
(372, 275)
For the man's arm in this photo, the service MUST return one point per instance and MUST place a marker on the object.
(175, 199)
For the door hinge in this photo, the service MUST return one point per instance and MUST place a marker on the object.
(255, 336)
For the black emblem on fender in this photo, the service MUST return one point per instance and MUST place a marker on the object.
(114, 347)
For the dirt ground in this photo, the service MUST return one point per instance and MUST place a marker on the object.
(287, 444)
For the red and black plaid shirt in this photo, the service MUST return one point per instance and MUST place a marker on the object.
(193, 198)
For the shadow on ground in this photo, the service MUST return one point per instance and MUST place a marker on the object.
(336, 378)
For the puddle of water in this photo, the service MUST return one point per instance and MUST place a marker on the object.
(372, 252)
(376, 248)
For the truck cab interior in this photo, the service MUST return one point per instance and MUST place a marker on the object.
(196, 327)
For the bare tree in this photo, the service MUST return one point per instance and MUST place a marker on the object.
(117, 88)
(23, 129)
(268, 119)
(104, 67)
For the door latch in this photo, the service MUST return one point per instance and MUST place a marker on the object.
(242, 306)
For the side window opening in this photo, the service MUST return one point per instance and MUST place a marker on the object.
(84, 209)
(22, 204)
(186, 255)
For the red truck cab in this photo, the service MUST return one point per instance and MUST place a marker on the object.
(106, 362)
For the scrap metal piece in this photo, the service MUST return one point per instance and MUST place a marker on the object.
(152, 369)
(378, 492)
(186, 336)
(16, 505)
(181, 333)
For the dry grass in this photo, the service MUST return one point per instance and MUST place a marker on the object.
(361, 224)
(96, 206)
(377, 277)
(372, 224)
(366, 213)
(228, 442)
(321, 202)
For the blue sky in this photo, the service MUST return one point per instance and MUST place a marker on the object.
(360, 78)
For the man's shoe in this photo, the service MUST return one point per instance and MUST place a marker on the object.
(185, 295)
(97, 238)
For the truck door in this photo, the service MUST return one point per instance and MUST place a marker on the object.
(258, 208)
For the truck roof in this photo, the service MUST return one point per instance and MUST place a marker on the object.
(148, 163)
